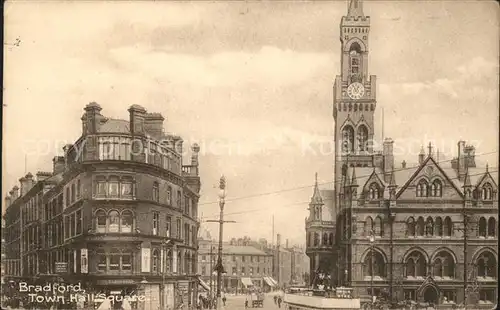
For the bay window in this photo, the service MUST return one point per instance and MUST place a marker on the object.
(114, 148)
(114, 221)
(114, 187)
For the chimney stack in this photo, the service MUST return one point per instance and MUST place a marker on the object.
(421, 156)
(41, 175)
(7, 200)
(461, 164)
(153, 124)
(403, 164)
(14, 193)
(24, 185)
(29, 181)
(137, 122)
(58, 164)
(388, 158)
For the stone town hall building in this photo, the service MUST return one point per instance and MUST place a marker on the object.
(435, 224)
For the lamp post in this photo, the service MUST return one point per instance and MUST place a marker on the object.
(219, 267)
(164, 271)
(372, 240)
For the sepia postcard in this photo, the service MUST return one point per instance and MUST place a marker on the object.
(327, 154)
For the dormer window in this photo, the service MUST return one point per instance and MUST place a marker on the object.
(374, 192)
(486, 192)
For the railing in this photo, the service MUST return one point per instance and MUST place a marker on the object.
(190, 170)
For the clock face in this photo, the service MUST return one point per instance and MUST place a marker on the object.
(356, 90)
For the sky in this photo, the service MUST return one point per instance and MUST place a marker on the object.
(251, 82)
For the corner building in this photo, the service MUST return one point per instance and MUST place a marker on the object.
(434, 223)
(118, 213)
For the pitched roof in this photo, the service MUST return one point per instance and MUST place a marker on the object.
(316, 197)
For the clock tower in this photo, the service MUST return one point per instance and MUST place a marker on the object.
(354, 96)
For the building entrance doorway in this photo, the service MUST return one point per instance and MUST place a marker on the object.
(431, 295)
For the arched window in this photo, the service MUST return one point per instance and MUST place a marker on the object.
(348, 139)
(101, 221)
(374, 191)
(354, 55)
(436, 189)
(362, 137)
(316, 239)
(447, 227)
(486, 191)
(429, 227)
(482, 227)
(444, 265)
(422, 188)
(368, 226)
(374, 263)
(155, 259)
(420, 226)
(127, 221)
(439, 227)
(330, 239)
(379, 227)
(114, 221)
(78, 189)
(410, 227)
(308, 239)
(491, 227)
(487, 265)
(416, 265)
(325, 239)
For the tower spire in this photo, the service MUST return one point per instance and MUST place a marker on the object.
(316, 198)
(355, 8)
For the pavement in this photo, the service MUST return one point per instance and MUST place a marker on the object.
(238, 303)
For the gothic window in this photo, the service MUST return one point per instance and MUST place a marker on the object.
(486, 265)
(374, 265)
(325, 239)
(410, 227)
(368, 226)
(316, 239)
(436, 189)
(422, 188)
(447, 226)
(379, 227)
(420, 226)
(482, 227)
(362, 137)
(444, 265)
(348, 139)
(374, 192)
(439, 227)
(486, 191)
(354, 55)
(415, 265)
(308, 239)
(491, 227)
(330, 239)
(429, 227)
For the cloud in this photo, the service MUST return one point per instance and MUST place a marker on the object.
(269, 66)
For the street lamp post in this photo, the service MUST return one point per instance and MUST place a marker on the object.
(220, 268)
(211, 271)
(372, 240)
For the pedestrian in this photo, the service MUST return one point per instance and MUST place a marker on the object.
(246, 303)
(279, 302)
(275, 299)
(224, 300)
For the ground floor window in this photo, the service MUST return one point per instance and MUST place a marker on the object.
(114, 260)
(410, 295)
(449, 296)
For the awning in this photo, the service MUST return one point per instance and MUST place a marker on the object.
(268, 281)
(274, 281)
(246, 281)
(203, 284)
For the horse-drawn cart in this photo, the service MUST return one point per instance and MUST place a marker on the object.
(257, 300)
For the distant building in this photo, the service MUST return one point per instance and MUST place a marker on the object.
(245, 266)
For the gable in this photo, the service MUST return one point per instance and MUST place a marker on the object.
(486, 178)
(430, 171)
(374, 178)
